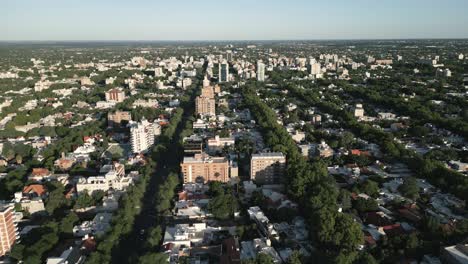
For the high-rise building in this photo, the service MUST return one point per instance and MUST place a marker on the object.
(207, 91)
(223, 72)
(206, 81)
(315, 68)
(205, 106)
(142, 135)
(229, 55)
(7, 229)
(267, 168)
(204, 168)
(115, 95)
(260, 71)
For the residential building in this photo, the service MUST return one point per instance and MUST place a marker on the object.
(86, 81)
(204, 168)
(206, 81)
(116, 118)
(260, 71)
(457, 254)
(358, 111)
(8, 229)
(205, 106)
(268, 167)
(112, 176)
(207, 91)
(223, 72)
(218, 143)
(315, 68)
(193, 145)
(323, 150)
(116, 95)
(142, 135)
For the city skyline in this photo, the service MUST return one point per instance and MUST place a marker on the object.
(144, 20)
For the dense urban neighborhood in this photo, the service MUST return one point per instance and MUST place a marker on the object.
(234, 152)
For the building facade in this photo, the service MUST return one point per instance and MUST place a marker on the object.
(260, 71)
(117, 117)
(204, 168)
(142, 135)
(205, 106)
(115, 95)
(267, 168)
(7, 229)
(223, 72)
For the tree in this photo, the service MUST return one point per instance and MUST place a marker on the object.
(154, 237)
(409, 188)
(365, 205)
(345, 257)
(338, 230)
(153, 258)
(223, 206)
(295, 258)
(366, 258)
(84, 200)
(345, 199)
(215, 188)
(412, 241)
(56, 198)
(263, 258)
(346, 139)
(66, 224)
(370, 188)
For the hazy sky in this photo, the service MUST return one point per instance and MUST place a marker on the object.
(231, 20)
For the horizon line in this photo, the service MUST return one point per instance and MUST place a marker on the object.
(234, 40)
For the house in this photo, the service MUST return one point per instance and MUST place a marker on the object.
(39, 174)
(217, 143)
(33, 205)
(250, 249)
(34, 190)
(457, 254)
(98, 226)
(71, 255)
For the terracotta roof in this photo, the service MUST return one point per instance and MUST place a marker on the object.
(37, 189)
(40, 172)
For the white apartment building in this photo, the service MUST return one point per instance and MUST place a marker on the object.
(218, 143)
(142, 135)
(260, 71)
(113, 177)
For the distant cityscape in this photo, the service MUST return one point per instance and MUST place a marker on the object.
(351, 151)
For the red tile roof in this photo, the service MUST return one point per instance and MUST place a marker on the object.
(37, 189)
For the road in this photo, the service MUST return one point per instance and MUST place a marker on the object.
(132, 245)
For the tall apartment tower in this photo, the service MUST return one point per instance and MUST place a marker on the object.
(206, 81)
(7, 229)
(142, 135)
(205, 106)
(260, 71)
(315, 68)
(229, 55)
(223, 72)
(207, 91)
(267, 168)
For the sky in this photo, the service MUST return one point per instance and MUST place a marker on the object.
(156, 20)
